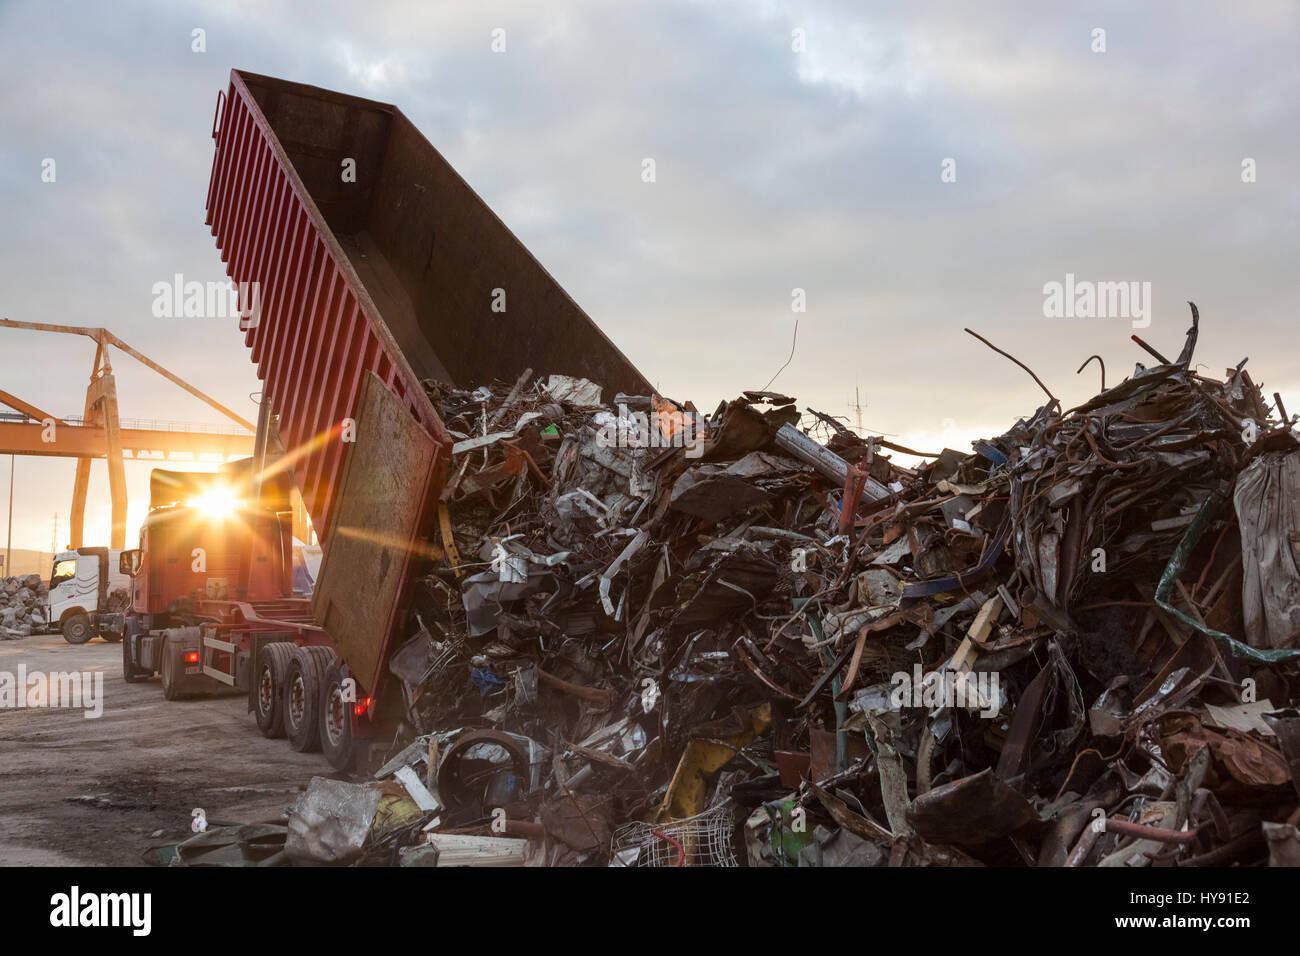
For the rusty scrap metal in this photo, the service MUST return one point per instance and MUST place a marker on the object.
(678, 617)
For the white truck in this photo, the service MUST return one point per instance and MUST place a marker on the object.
(89, 595)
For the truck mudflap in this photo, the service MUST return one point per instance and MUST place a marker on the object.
(110, 625)
(388, 491)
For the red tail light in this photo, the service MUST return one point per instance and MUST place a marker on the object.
(362, 706)
(191, 657)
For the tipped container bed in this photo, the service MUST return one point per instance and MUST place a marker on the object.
(367, 285)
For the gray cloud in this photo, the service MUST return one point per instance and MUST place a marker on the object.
(776, 170)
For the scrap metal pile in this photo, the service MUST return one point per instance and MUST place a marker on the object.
(655, 637)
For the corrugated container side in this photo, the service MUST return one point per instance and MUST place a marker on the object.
(392, 271)
(316, 332)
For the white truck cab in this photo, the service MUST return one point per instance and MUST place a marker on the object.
(86, 589)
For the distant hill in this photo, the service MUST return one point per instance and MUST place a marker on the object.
(28, 562)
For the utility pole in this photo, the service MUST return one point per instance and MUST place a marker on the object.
(857, 407)
(9, 534)
(54, 535)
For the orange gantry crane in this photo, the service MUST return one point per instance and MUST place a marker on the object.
(100, 432)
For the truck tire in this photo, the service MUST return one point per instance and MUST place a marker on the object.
(130, 673)
(76, 628)
(266, 693)
(336, 719)
(171, 653)
(302, 697)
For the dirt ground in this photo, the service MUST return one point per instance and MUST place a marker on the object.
(99, 791)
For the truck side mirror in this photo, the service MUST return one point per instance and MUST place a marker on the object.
(129, 562)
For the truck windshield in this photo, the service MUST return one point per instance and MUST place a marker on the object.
(63, 571)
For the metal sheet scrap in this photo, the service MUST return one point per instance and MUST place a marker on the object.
(1056, 649)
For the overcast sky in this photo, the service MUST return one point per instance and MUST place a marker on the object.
(820, 168)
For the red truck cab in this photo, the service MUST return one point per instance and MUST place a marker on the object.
(216, 546)
(213, 607)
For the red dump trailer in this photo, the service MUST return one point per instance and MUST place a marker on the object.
(376, 267)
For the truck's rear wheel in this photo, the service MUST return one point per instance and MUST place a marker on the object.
(336, 718)
(171, 654)
(130, 673)
(267, 689)
(76, 628)
(302, 697)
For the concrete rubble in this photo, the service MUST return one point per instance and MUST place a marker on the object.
(22, 606)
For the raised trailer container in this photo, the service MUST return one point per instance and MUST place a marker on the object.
(375, 266)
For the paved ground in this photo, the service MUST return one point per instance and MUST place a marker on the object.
(96, 791)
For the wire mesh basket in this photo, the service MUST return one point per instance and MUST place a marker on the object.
(702, 840)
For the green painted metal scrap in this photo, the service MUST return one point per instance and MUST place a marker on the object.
(1174, 569)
